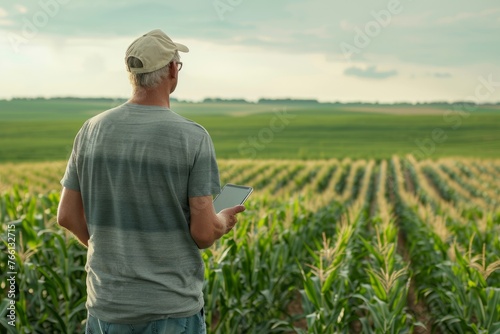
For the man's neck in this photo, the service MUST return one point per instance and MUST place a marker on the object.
(150, 97)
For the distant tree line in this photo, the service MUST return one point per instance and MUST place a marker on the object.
(287, 101)
(219, 100)
(69, 98)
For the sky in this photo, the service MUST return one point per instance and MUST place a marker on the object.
(331, 50)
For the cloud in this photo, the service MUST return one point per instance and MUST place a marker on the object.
(370, 73)
(94, 64)
(441, 75)
(469, 15)
(345, 25)
(5, 23)
(451, 32)
(21, 9)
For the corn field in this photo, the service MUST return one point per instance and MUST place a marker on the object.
(325, 246)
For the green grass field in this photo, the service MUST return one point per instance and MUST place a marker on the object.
(43, 130)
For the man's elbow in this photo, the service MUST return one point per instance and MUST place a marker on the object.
(206, 231)
(202, 240)
(204, 245)
(205, 235)
(63, 219)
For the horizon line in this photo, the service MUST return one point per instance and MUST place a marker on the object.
(260, 100)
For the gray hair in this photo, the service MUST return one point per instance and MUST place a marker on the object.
(152, 79)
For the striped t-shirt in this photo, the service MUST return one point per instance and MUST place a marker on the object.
(136, 167)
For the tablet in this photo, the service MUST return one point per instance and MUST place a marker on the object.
(231, 195)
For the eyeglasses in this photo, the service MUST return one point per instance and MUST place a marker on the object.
(179, 65)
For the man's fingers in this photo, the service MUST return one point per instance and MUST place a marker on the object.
(234, 210)
(239, 208)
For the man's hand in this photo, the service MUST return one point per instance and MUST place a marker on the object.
(229, 216)
(206, 225)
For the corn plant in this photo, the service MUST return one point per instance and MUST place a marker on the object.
(50, 280)
(326, 285)
(478, 300)
(385, 297)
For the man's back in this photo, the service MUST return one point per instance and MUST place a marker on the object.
(137, 166)
(138, 193)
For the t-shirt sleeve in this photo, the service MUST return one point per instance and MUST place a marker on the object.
(70, 179)
(204, 174)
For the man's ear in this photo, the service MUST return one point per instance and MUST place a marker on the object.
(172, 71)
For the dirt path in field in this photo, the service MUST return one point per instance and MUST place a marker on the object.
(417, 306)
(373, 198)
(295, 309)
(410, 186)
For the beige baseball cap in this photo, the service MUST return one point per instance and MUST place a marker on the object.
(154, 49)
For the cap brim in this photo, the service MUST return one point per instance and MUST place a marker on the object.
(181, 47)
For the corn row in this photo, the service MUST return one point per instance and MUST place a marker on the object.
(362, 197)
(347, 193)
(329, 195)
(464, 195)
(487, 177)
(469, 182)
(294, 184)
(447, 208)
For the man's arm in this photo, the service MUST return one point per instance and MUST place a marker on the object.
(207, 226)
(70, 215)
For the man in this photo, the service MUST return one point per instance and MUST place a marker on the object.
(137, 192)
